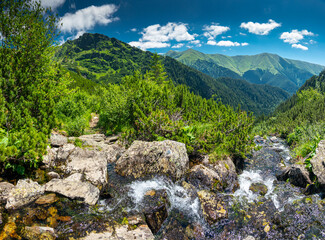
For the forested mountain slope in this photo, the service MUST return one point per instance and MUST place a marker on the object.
(107, 60)
(263, 68)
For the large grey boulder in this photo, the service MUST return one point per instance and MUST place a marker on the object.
(5, 189)
(318, 162)
(297, 175)
(26, 191)
(123, 232)
(74, 188)
(203, 177)
(145, 158)
(58, 140)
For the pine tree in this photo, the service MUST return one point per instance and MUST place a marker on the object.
(30, 83)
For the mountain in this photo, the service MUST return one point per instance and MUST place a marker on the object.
(107, 60)
(263, 68)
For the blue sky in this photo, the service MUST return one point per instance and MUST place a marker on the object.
(290, 28)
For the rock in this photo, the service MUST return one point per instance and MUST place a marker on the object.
(258, 188)
(318, 163)
(38, 232)
(249, 237)
(173, 231)
(50, 158)
(74, 188)
(25, 192)
(123, 233)
(114, 152)
(58, 140)
(1, 210)
(92, 163)
(47, 199)
(9, 232)
(204, 178)
(274, 139)
(155, 212)
(64, 152)
(297, 174)
(135, 220)
(212, 206)
(5, 189)
(52, 175)
(226, 169)
(145, 158)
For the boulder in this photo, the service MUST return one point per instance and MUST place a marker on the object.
(203, 177)
(47, 199)
(258, 188)
(5, 189)
(226, 169)
(38, 232)
(274, 139)
(58, 140)
(50, 158)
(145, 158)
(318, 162)
(52, 175)
(64, 152)
(92, 163)
(297, 175)
(123, 232)
(156, 204)
(74, 188)
(26, 191)
(213, 207)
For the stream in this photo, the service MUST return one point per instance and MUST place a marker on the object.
(261, 208)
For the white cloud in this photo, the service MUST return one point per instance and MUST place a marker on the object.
(226, 43)
(299, 46)
(295, 36)
(53, 4)
(243, 34)
(312, 41)
(147, 45)
(214, 30)
(157, 36)
(133, 29)
(85, 19)
(79, 34)
(179, 45)
(260, 28)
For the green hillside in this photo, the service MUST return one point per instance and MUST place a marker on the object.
(263, 68)
(107, 60)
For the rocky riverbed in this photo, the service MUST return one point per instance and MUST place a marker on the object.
(91, 187)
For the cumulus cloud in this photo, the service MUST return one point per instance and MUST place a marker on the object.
(260, 28)
(179, 45)
(226, 43)
(85, 19)
(148, 45)
(157, 36)
(212, 31)
(295, 36)
(299, 46)
(53, 4)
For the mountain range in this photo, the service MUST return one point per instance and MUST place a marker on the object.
(263, 68)
(107, 60)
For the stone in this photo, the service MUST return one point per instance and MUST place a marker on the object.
(258, 188)
(64, 152)
(135, 220)
(58, 140)
(9, 231)
(156, 204)
(25, 192)
(297, 175)
(92, 163)
(1, 210)
(47, 199)
(249, 237)
(226, 169)
(318, 163)
(52, 175)
(49, 160)
(274, 139)
(213, 207)
(123, 233)
(146, 158)
(203, 177)
(5, 189)
(38, 232)
(73, 187)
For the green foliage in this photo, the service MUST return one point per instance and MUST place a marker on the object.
(153, 108)
(107, 60)
(30, 84)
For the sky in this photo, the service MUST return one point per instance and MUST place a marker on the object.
(290, 28)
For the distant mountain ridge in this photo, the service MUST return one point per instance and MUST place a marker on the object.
(263, 68)
(107, 60)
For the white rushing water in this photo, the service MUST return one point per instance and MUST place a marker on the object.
(179, 198)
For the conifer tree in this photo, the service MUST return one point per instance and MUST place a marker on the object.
(29, 82)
